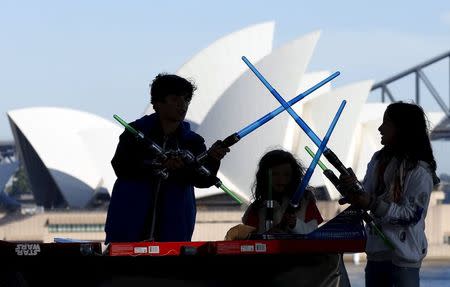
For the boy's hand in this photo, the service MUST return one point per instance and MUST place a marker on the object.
(217, 151)
(173, 163)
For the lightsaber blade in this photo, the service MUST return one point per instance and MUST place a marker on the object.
(329, 154)
(222, 186)
(248, 129)
(156, 148)
(368, 219)
(218, 183)
(309, 172)
(235, 137)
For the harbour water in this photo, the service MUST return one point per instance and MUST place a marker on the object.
(432, 274)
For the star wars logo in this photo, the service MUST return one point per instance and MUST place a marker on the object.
(27, 249)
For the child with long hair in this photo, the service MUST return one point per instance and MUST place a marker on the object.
(398, 184)
(284, 172)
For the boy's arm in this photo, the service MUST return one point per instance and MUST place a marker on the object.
(132, 159)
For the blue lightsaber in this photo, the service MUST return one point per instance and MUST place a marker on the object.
(160, 152)
(329, 154)
(248, 129)
(235, 137)
(309, 172)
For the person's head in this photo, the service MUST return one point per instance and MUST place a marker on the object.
(404, 132)
(171, 95)
(286, 171)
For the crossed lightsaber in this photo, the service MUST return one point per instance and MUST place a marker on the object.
(185, 154)
(228, 141)
(328, 153)
(322, 145)
(235, 137)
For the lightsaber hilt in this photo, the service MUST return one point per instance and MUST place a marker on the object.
(218, 183)
(335, 161)
(269, 215)
(231, 140)
(227, 142)
(157, 168)
(269, 202)
(162, 173)
(356, 187)
(366, 217)
(190, 159)
(331, 176)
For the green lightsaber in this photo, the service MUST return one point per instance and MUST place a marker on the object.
(368, 219)
(220, 185)
(160, 153)
(156, 148)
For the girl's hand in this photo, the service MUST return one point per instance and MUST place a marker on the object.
(362, 200)
(289, 219)
(346, 181)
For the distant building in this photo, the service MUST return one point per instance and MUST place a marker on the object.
(66, 154)
(8, 167)
(215, 216)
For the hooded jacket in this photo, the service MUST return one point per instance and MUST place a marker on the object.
(134, 193)
(402, 221)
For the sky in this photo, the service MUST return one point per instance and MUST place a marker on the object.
(100, 56)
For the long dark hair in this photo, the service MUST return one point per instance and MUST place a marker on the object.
(269, 160)
(412, 140)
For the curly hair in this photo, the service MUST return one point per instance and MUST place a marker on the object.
(269, 160)
(166, 84)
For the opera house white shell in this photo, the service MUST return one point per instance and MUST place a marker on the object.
(72, 150)
(66, 154)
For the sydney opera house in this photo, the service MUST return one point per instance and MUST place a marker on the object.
(66, 153)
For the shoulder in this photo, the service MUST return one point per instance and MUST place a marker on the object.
(420, 176)
(144, 123)
(422, 170)
(375, 157)
(190, 135)
(373, 163)
(193, 136)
